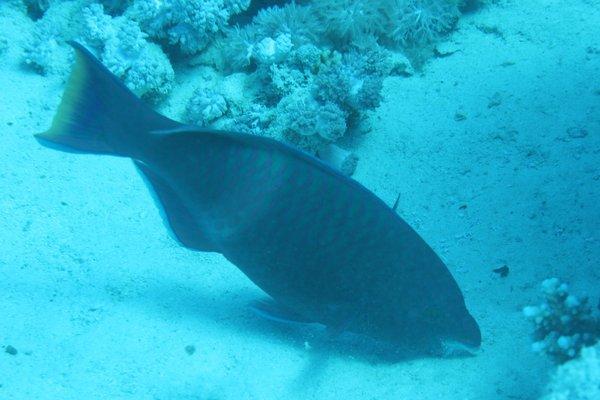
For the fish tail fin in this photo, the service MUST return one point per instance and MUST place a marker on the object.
(99, 114)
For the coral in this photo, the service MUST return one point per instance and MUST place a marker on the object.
(407, 23)
(578, 379)
(150, 73)
(45, 55)
(189, 24)
(563, 322)
(350, 20)
(307, 57)
(269, 50)
(296, 21)
(416, 22)
(237, 48)
(304, 121)
(255, 121)
(270, 38)
(284, 80)
(45, 50)
(115, 7)
(343, 160)
(205, 106)
(354, 82)
(36, 8)
(117, 41)
(237, 6)
(317, 93)
(122, 47)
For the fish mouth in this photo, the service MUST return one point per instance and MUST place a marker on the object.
(454, 348)
(466, 338)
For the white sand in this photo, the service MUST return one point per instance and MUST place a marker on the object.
(100, 303)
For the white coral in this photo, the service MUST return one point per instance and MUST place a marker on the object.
(205, 106)
(271, 50)
(578, 379)
(189, 24)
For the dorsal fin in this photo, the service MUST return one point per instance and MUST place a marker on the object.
(395, 207)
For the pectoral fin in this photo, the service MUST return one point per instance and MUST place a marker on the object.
(273, 311)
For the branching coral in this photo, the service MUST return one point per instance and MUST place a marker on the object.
(45, 51)
(408, 23)
(563, 322)
(118, 42)
(237, 48)
(355, 82)
(320, 65)
(189, 24)
(288, 51)
(416, 22)
(296, 21)
(318, 93)
(347, 21)
(270, 38)
(122, 47)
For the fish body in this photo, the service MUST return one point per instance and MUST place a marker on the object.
(319, 243)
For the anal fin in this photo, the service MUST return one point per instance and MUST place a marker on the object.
(175, 214)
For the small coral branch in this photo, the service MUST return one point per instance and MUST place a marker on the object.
(564, 323)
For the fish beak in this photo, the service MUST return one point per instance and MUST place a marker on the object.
(453, 348)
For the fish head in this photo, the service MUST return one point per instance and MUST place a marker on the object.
(463, 332)
(454, 328)
(437, 329)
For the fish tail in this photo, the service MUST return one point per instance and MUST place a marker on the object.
(99, 114)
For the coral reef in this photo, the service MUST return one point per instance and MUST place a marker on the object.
(320, 65)
(404, 23)
(296, 21)
(45, 50)
(189, 24)
(415, 22)
(564, 323)
(117, 41)
(318, 94)
(578, 379)
(346, 21)
(122, 47)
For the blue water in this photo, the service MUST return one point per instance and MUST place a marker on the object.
(491, 137)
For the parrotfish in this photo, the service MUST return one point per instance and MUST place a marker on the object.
(321, 245)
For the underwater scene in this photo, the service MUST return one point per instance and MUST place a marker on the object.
(310, 199)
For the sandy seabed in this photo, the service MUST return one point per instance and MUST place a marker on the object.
(494, 150)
